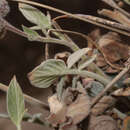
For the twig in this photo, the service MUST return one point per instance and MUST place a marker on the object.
(115, 6)
(115, 15)
(28, 98)
(110, 85)
(102, 21)
(74, 16)
(11, 28)
(56, 25)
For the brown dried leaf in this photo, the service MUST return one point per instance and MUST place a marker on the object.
(111, 70)
(68, 126)
(103, 104)
(102, 123)
(122, 92)
(57, 110)
(112, 47)
(76, 111)
(79, 109)
(100, 61)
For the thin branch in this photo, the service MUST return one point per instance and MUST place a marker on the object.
(115, 6)
(110, 85)
(110, 24)
(115, 15)
(74, 16)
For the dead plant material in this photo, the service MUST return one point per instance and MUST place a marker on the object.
(102, 123)
(68, 115)
(122, 92)
(115, 15)
(104, 104)
(113, 49)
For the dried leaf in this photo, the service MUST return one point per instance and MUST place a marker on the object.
(79, 109)
(100, 61)
(103, 104)
(112, 47)
(58, 111)
(69, 127)
(122, 92)
(76, 111)
(111, 70)
(102, 123)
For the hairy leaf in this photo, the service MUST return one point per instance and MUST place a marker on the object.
(32, 35)
(35, 16)
(76, 56)
(87, 62)
(15, 102)
(49, 71)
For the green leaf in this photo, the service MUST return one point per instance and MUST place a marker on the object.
(32, 35)
(87, 62)
(76, 56)
(35, 16)
(60, 88)
(50, 70)
(47, 73)
(15, 102)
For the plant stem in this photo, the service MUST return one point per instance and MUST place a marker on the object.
(19, 127)
(110, 85)
(74, 16)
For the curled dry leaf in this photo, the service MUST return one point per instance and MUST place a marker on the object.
(111, 70)
(103, 104)
(76, 111)
(100, 61)
(122, 92)
(112, 47)
(57, 110)
(102, 123)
